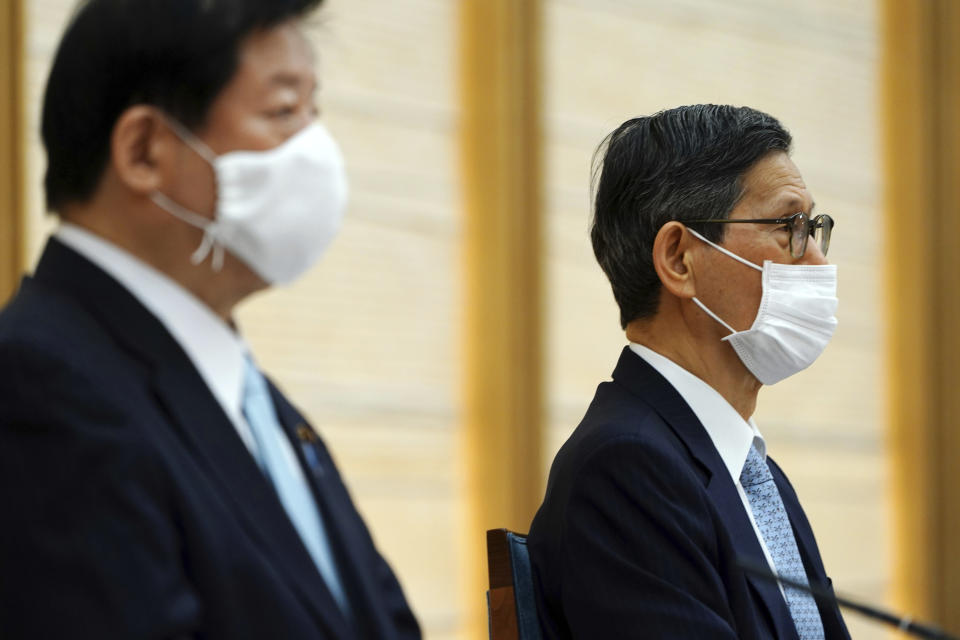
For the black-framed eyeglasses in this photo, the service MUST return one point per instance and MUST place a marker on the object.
(801, 226)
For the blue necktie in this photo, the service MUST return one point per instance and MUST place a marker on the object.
(291, 487)
(774, 525)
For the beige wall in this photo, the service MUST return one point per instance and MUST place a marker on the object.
(367, 343)
(45, 20)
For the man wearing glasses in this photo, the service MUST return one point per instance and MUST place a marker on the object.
(664, 492)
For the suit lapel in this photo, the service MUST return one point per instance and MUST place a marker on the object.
(215, 443)
(199, 421)
(639, 377)
(340, 519)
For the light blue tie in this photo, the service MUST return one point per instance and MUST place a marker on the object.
(774, 525)
(292, 488)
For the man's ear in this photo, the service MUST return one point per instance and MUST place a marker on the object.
(672, 259)
(141, 147)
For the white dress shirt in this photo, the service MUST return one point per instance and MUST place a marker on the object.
(213, 347)
(730, 433)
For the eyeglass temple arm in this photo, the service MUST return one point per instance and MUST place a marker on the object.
(754, 220)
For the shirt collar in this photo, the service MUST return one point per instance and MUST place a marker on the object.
(213, 347)
(730, 433)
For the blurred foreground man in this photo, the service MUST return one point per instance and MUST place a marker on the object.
(154, 483)
(707, 234)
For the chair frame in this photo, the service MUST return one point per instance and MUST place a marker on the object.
(505, 618)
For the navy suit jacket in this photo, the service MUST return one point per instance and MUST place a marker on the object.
(129, 506)
(641, 528)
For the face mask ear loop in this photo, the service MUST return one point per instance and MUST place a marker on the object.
(726, 251)
(714, 316)
(209, 227)
(191, 140)
(207, 245)
(209, 241)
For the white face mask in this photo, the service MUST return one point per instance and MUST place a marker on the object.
(795, 320)
(277, 210)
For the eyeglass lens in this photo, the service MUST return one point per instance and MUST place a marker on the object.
(822, 231)
(802, 228)
(798, 235)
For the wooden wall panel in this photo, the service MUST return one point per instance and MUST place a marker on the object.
(12, 156)
(921, 99)
(500, 156)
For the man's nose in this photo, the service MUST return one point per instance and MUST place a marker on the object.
(813, 255)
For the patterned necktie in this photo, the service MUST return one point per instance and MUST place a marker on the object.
(276, 461)
(774, 525)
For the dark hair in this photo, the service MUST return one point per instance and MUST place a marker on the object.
(679, 164)
(177, 55)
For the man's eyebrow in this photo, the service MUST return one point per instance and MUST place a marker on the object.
(294, 80)
(795, 205)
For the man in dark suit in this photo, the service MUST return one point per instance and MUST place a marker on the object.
(705, 230)
(153, 483)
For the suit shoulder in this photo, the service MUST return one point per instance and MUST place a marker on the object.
(625, 462)
(61, 367)
(41, 327)
(617, 417)
(621, 442)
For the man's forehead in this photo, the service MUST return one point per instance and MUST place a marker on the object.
(281, 56)
(776, 182)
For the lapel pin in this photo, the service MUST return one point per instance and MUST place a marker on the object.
(305, 433)
(308, 444)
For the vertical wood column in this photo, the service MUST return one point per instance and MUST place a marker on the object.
(12, 157)
(921, 97)
(501, 148)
